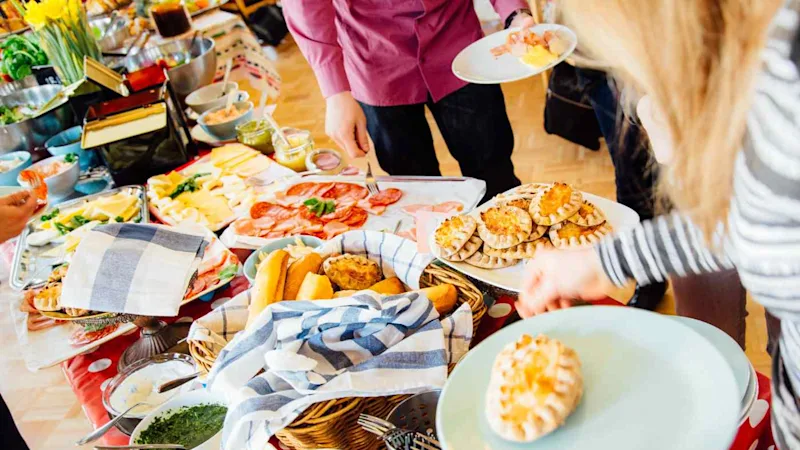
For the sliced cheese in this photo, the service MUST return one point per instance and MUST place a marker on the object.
(251, 167)
(214, 207)
(113, 207)
(228, 152)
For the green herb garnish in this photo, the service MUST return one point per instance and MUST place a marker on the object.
(63, 229)
(187, 185)
(79, 220)
(119, 219)
(320, 207)
(93, 327)
(229, 271)
(137, 220)
(70, 158)
(190, 426)
(52, 215)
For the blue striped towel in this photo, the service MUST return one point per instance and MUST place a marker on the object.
(366, 345)
(133, 268)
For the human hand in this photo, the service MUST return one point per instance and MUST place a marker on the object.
(554, 277)
(15, 210)
(346, 124)
(522, 20)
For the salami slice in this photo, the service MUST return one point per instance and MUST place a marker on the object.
(310, 189)
(356, 219)
(347, 192)
(266, 209)
(386, 197)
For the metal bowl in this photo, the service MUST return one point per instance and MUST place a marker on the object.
(18, 85)
(114, 37)
(188, 77)
(34, 132)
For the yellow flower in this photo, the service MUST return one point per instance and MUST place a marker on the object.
(74, 7)
(54, 9)
(35, 15)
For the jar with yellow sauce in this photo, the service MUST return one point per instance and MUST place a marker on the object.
(294, 155)
(256, 134)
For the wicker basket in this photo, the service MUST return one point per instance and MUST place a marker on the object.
(332, 424)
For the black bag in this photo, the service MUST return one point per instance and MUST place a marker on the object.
(269, 25)
(567, 111)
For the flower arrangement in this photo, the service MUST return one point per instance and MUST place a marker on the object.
(64, 34)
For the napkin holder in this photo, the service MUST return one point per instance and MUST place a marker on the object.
(138, 136)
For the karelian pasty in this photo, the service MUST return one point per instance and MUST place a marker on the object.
(453, 234)
(555, 204)
(535, 385)
(352, 272)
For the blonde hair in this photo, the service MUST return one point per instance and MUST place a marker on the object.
(698, 60)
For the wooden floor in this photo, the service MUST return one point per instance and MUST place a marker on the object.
(44, 406)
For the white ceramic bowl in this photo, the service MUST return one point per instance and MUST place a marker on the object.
(61, 184)
(193, 398)
(226, 130)
(211, 97)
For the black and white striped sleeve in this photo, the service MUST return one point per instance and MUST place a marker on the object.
(666, 245)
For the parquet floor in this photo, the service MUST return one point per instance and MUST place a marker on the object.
(45, 407)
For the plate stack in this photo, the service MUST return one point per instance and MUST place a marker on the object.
(743, 371)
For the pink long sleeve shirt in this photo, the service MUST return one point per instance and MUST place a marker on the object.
(387, 52)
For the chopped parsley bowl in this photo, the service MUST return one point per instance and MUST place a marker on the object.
(189, 426)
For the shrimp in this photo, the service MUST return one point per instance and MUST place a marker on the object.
(517, 43)
(33, 180)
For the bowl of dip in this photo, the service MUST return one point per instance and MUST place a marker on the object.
(221, 122)
(193, 419)
(11, 164)
(139, 382)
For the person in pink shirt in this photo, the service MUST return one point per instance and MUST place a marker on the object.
(380, 62)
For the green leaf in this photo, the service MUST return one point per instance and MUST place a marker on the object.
(79, 220)
(311, 202)
(137, 220)
(229, 271)
(63, 229)
(52, 215)
(119, 219)
(70, 158)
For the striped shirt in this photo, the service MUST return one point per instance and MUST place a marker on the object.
(763, 237)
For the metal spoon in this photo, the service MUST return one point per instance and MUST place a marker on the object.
(98, 433)
(227, 75)
(170, 385)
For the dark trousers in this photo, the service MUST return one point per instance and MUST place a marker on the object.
(474, 124)
(633, 168)
(10, 438)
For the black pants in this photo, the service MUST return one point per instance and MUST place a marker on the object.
(634, 171)
(10, 438)
(474, 124)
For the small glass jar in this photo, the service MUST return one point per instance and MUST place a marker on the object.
(170, 18)
(325, 161)
(294, 155)
(256, 134)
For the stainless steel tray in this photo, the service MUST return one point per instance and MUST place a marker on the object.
(29, 269)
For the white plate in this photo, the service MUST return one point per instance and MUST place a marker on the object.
(650, 383)
(750, 396)
(476, 64)
(510, 278)
(729, 349)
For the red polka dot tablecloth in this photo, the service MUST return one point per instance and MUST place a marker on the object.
(89, 373)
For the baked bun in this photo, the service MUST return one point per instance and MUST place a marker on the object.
(535, 385)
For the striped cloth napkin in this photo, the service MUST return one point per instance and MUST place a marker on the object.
(133, 268)
(362, 346)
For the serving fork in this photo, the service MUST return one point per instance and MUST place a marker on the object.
(372, 186)
(397, 438)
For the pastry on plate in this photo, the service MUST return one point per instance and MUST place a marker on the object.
(504, 226)
(352, 271)
(48, 298)
(525, 190)
(569, 235)
(453, 234)
(484, 261)
(473, 245)
(535, 385)
(76, 312)
(555, 204)
(516, 201)
(588, 215)
(536, 232)
(525, 250)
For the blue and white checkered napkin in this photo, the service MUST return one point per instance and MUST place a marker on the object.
(362, 346)
(133, 268)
